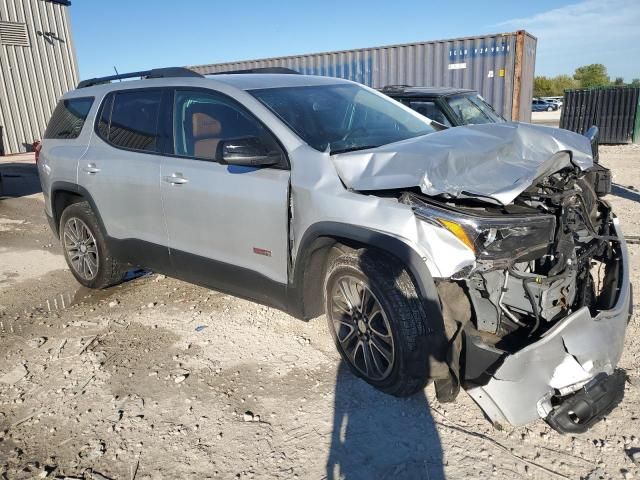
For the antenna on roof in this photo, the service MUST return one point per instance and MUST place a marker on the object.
(171, 72)
(116, 70)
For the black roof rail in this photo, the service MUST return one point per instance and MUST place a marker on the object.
(396, 87)
(282, 70)
(169, 72)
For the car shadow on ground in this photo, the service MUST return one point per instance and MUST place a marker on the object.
(376, 435)
(379, 436)
(628, 193)
(19, 180)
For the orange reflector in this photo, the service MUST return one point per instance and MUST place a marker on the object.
(458, 231)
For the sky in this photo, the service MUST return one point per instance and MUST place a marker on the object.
(142, 34)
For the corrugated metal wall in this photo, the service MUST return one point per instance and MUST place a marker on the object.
(486, 64)
(612, 109)
(32, 77)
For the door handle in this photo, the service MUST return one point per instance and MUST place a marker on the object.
(91, 168)
(175, 179)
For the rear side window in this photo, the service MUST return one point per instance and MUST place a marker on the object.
(68, 118)
(129, 119)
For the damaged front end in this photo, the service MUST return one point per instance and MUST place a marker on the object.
(549, 297)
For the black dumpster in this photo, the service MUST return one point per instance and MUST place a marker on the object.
(613, 110)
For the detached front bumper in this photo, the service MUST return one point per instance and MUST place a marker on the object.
(534, 382)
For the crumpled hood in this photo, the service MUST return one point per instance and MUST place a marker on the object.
(498, 161)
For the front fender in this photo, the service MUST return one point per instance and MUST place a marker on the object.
(361, 235)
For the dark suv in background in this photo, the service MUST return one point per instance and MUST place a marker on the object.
(449, 106)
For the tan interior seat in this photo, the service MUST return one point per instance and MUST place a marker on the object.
(206, 135)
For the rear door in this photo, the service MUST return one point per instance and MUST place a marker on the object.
(121, 171)
(227, 225)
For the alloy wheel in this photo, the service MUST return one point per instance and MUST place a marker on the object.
(80, 248)
(362, 328)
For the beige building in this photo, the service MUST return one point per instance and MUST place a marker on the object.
(37, 65)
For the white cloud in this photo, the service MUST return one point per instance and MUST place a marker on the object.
(592, 31)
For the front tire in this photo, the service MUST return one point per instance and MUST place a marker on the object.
(550, 109)
(85, 249)
(378, 321)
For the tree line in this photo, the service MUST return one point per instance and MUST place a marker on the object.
(587, 76)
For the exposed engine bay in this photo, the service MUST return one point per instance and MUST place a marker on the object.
(552, 253)
(547, 254)
(574, 270)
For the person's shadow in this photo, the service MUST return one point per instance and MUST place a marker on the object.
(377, 436)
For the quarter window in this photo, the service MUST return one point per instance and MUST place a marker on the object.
(68, 118)
(129, 119)
(202, 120)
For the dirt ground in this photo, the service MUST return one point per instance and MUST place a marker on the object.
(157, 378)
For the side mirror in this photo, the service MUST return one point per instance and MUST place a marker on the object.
(438, 126)
(593, 134)
(248, 152)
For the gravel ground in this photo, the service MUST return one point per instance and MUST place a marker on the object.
(157, 378)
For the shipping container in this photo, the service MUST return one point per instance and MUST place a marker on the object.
(614, 110)
(500, 67)
(37, 65)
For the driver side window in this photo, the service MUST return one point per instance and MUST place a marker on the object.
(202, 120)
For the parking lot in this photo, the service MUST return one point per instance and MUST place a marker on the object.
(550, 119)
(157, 378)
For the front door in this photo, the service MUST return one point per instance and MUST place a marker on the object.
(227, 225)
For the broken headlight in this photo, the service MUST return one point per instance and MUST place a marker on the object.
(497, 237)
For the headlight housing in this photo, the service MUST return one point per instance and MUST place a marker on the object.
(499, 237)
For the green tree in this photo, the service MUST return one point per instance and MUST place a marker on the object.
(542, 87)
(562, 83)
(635, 82)
(594, 75)
(554, 86)
(618, 82)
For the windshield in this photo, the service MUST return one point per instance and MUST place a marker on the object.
(342, 117)
(473, 110)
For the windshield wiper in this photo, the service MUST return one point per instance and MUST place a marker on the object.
(351, 149)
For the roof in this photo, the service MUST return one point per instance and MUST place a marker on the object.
(409, 91)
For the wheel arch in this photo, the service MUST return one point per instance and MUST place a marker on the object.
(314, 253)
(64, 194)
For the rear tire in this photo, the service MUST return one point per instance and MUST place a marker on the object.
(86, 250)
(549, 109)
(356, 285)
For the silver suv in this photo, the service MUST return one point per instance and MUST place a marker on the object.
(480, 256)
